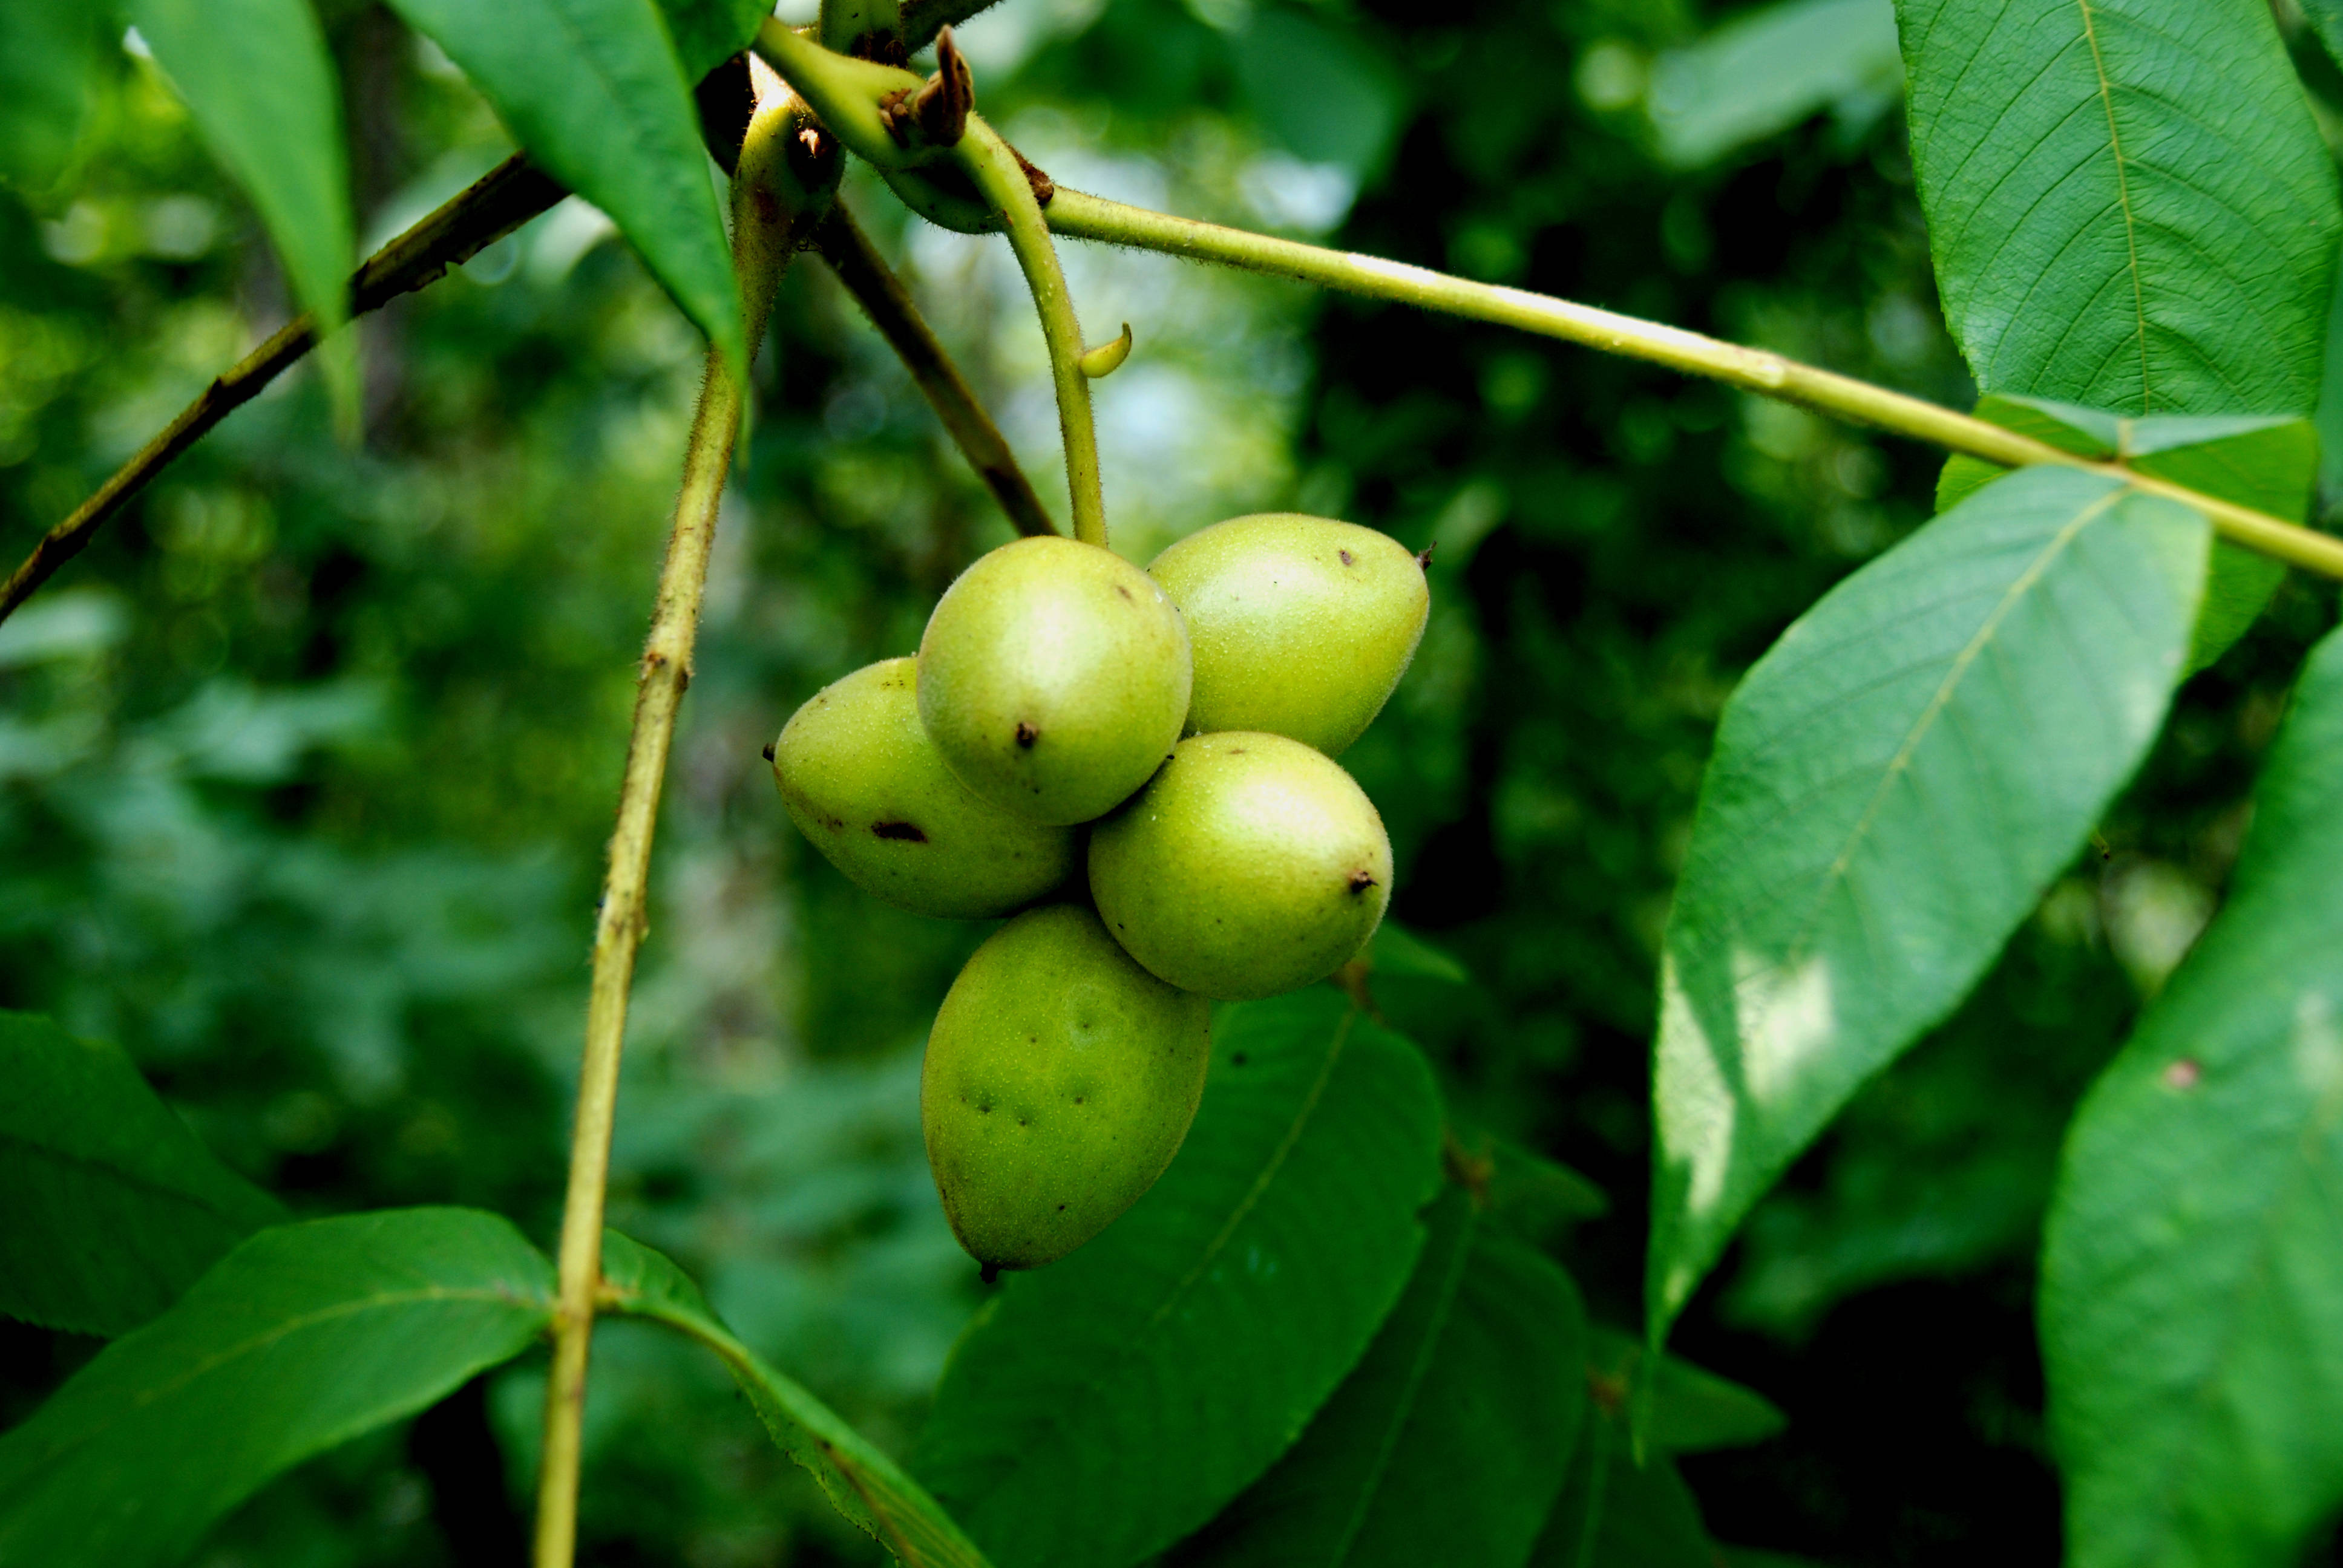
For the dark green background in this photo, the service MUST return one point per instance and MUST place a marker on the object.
(305, 769)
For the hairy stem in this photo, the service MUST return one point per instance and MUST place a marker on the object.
(1001, 177)
(1079, 216)
(770, 206)
(499, 202)
(883, 297)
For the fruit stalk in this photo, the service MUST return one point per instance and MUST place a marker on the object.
(783, 184)
(1001, 177)
(1083, 217)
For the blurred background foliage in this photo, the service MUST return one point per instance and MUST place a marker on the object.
(305, 769)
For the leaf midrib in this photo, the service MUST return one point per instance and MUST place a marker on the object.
(2123, 199)
(143, 1398)
(1404, 1409)
(146, 1184)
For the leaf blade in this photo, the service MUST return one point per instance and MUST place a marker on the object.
(258, 83)
(303, 1337)
(1448, 1441)
(2192, 1296)
(109, 1207)
(1095, 1411)
(863, 1483)
(2128, 209)
(1944, 726)
(593, 90)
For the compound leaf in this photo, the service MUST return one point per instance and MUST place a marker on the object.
(260, 86)
(2128, 203)
(2192, 1289)
(593, 90)
(1447, 1442)
(1894, 785)
(303, 1337)
(1102, 1408)
(109, 1207)
(862, 1483)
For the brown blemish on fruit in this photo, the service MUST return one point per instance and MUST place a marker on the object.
(1361, 880)
(1122, 590)
(1423, 556)
(1348, 559)
(1027, 734)
(907, 832)
(768, 752)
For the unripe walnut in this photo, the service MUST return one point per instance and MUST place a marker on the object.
(1250, 865)
(1054, 678)
(1060, 1080)
(1300, 626)
(863, 782)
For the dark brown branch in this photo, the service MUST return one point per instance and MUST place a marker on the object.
(499, 202)
(867, 278)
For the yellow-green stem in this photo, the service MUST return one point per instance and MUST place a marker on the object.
(1002, 181)
(1082, 216)
(768, 206)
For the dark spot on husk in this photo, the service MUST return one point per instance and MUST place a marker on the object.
(1348, 559)
(1122, 590)
(1238, 1060)
(1061, 1208)
(1423, 556)
(768, 752)
(907, 832)
(1027, 734)
(1361, 880)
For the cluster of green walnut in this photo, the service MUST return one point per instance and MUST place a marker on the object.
(1029, 763)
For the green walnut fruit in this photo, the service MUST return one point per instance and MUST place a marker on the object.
(861, 780)
(1301, 626)
(1252, 864)
(1054, 678)
(1059, 1081)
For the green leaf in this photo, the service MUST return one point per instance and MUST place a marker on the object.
(47, 75)
(1894, 785)
(1690, 1411)
(2130, 206)
(2192, 1287)
(260, 86)
(1447, 1442)
(2329, 417)
(1535, 1195)
(1613, 1513)
(1102, 1408)
(2326, 18)
(1394, 949)
(109, 1207)
(2268, 462)
(303, 1337)
(593, 91)
(862, 1482)
(1317, 89)
(1768, 69)
(706, 33)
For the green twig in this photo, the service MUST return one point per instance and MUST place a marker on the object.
(883, 297)
(1082, 216)
(499, 202)
(773, 204)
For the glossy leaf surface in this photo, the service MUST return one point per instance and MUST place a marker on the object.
(862, 1482)
(1613, 1513)
(2192, 1287)
(593, 90)
(303, 1337)
(109, 1207)
(1894, 786)
(2128, 203)
(1448, 1441)
(1099, 1409)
